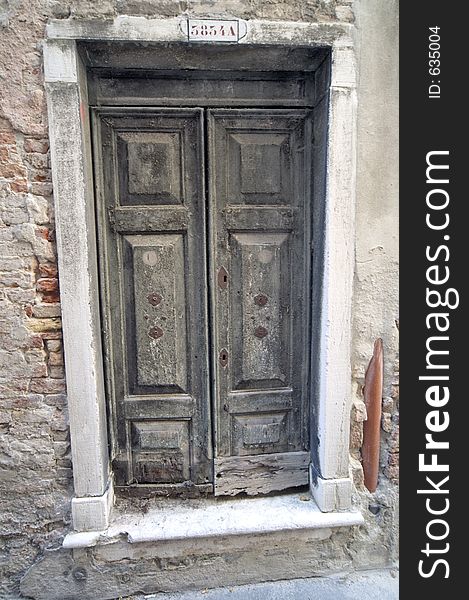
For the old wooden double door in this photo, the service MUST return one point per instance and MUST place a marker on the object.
(204, 232)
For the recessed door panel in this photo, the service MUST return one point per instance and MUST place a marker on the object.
(260, 300)
(151, 169)
(154, 268)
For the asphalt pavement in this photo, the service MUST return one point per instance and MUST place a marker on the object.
(363, 585)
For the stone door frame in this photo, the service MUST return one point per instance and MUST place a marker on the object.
(69, 129)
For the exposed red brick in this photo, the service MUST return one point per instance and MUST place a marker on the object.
(36, 341)
(56, 359)
(47, 270)
(47, 386)
(42, 232)
(51, 297)
(13, 171)
(47, 284)
(19, 186)
(52, 335)
(42, 176)
(45, 233)
(39, 177)
(7, 137)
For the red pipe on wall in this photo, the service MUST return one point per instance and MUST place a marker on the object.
(373, 393)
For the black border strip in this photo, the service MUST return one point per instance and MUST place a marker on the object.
(432, 122)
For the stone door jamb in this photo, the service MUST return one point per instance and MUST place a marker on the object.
(69, 129)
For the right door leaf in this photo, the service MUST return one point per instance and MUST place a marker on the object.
(259, 205)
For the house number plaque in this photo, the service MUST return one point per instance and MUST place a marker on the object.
(213, 30)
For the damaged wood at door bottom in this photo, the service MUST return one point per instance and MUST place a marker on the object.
(260, 474)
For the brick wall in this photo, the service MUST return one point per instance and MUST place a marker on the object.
(35, 465)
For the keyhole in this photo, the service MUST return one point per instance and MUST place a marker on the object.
(222, 278)
(223, 358)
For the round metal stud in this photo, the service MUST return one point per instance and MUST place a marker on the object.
(154, 299)
(260, 299)
(155, 332)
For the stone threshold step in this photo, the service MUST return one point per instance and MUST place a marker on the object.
(208, 518)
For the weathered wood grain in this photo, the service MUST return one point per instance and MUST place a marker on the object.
(149, 219)
(172, 56)
(260, 474)
(225, 88)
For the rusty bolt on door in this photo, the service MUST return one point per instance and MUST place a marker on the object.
(155, 332)
(261, 299)
(154, 299)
